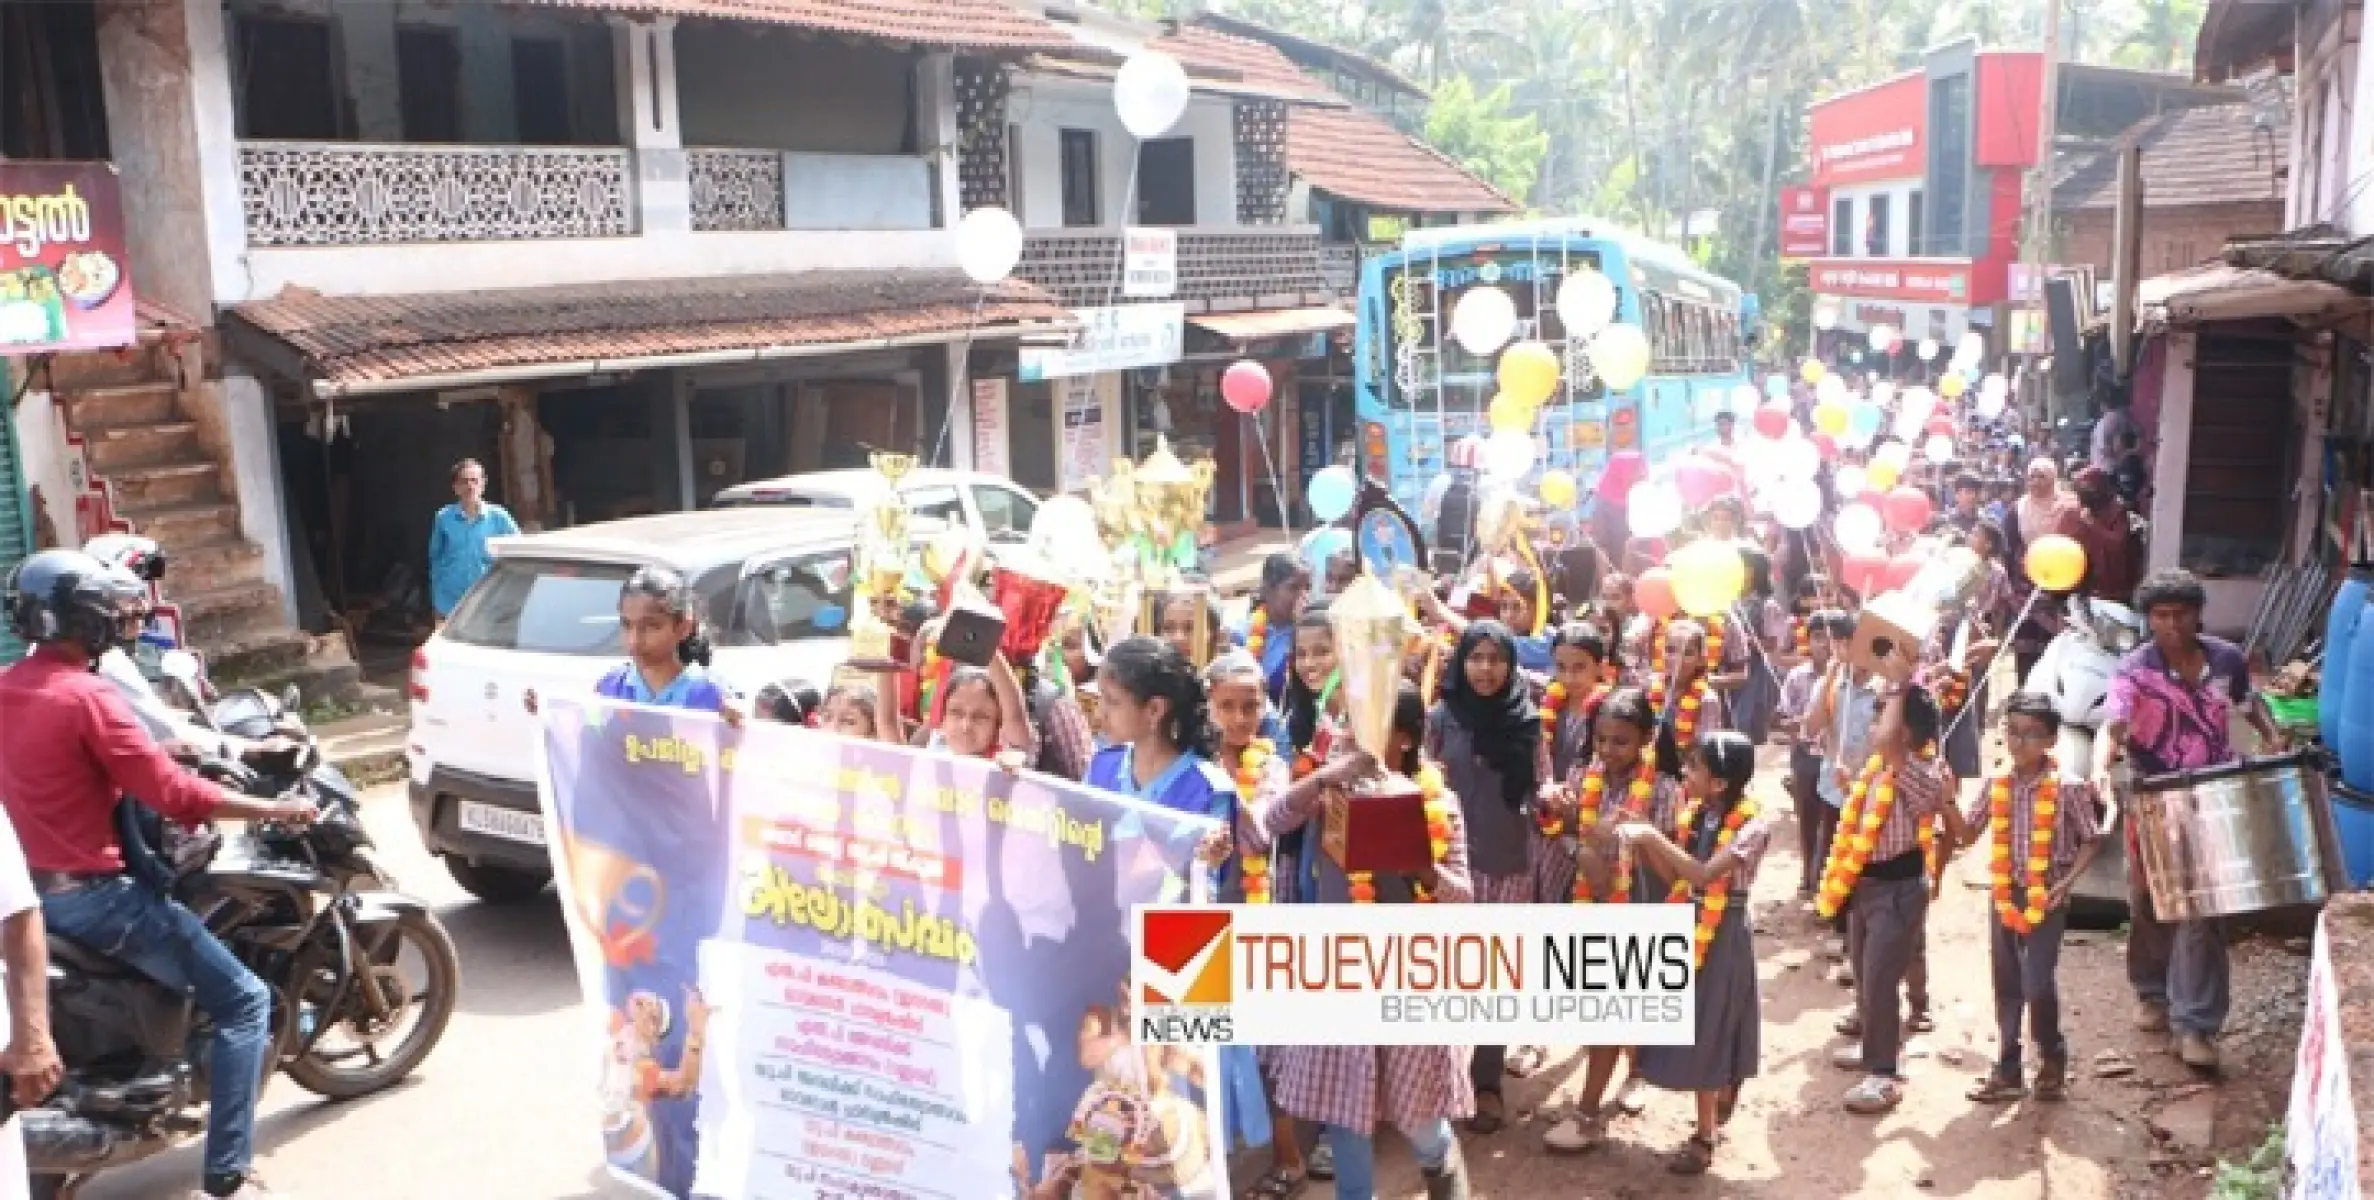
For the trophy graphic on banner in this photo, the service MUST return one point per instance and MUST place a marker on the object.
(1380, 825)
(1149, 513)
(881, 567)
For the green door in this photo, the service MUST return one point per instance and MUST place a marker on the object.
(16, 512)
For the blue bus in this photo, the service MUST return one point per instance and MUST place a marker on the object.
(1417, 391)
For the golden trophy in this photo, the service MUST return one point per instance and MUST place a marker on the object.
(1380, 825)
(881, 568)
(1168, 508)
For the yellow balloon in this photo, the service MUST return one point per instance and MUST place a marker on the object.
(1812, 371)
(1882, 473)
(1620, 356)
(2055, 563)
(1508, 414)
(1830, 417)
(1951, 387)
(1707, 577)
(1529, 372)
(1557, 489)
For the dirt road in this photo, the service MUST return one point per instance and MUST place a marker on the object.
(2137, 1123)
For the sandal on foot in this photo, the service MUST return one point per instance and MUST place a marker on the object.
(1874, 1096)
(1921, 1023)
(1999, 1087)
(1629, 1100)
(1849, 1025)
(1524, 1061)
(1490, 1115)
(2052, 1080)
(1321, 1163)
(1574, 1135)
(1695, 1156)
(1279, 1184)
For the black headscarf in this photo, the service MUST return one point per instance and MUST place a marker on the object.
(1505, 726)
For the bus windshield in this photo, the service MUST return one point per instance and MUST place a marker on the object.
(1418, 355)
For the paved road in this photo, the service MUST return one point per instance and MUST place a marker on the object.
(503, 1109)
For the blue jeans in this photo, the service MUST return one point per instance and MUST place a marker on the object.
(1356, 1156)
(144, 929)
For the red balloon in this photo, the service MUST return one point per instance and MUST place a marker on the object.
(1772, 420)
(1652, 593)
(1246, 386)
(1901, 571)
(1942, 426)
(1826, 445)
(1861, 572)
(1907, 510)
(1700, 480)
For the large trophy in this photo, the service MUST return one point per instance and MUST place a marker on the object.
(1149, 513)
(1380, 825)
(881, 568)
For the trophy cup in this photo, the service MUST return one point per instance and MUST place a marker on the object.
(1168, 510)
(881, 567)
(1380, 826)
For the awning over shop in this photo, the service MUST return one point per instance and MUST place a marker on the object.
(2220, 292)
(1284, 322)
(362, 345)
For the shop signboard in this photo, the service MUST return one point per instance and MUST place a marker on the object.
(1150, 263)
(1923, 281)
(64, 283)
(1878, 133)
(1081, 455)
(1805, 222)
(1119, 338)
(991, 428)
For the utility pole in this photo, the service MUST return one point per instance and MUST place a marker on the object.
(2037, 253)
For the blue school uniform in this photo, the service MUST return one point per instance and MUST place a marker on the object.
(1277, 656)
(693, 688)
(1533, 654)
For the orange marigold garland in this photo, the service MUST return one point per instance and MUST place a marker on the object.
(1859, 823)
(1639, 796)
(1553, 709)
(1257, 633)
(1438, 825)
(1926, 833)
(2022, 912)
(1685, 721)
(1716, 897)
(1250, 764)
(1804, 639)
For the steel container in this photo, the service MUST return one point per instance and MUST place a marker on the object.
(2239, 838)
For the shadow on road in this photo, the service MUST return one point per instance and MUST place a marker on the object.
(515, 957)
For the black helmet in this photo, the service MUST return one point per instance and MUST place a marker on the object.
(67, 595)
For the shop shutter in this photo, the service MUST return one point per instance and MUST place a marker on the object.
(16, 513)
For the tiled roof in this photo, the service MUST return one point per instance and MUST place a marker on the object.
(350, 340)
(1350, 61)
(962, 24)
(2194, 156)
(1345, 152)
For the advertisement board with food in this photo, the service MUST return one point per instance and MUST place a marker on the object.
(62, 277)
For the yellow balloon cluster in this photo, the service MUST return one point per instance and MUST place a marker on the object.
(1707, 577)
(1509, 414)
(1529, 373)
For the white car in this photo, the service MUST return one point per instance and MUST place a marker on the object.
(770, 582)
(997, 512)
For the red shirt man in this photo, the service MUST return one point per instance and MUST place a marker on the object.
(2113, 564)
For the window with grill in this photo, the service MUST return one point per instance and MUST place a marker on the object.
(2237, 488)
(1079, 178)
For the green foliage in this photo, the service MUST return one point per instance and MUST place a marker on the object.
(2259, 1177)
(1500, 147)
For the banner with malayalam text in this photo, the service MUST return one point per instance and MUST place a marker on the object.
(829, 968)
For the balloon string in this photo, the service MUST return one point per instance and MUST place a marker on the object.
(2002, 646)
(1278, 489)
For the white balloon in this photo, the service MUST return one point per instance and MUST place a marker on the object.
(988, 244)
(1990, 405)
(1995, 385)
(1586, 303)
(1893, 452)
(1939, 449)
(1061, 526)
(1509, 454)
(1909, 424)
(1825, 316)
(1921, 401)
(1711, 402)
(1484, 321)
(1882, 392)
(1832, 388)
(1150, 93)
(1745, 399)
(1929, 349)
(1795, 458)
(1653, 508)
(1796, 503)
(1972, 350)
(1849, 482)
(1858, 528)
(1882, 336)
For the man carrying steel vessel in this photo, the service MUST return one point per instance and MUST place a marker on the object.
(2169, 710)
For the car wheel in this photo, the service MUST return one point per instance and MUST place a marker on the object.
(497, 885)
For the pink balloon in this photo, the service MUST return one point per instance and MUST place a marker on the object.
(1862, 573)
(1902, 570)
(1700, 480)
(1246, 386)
(1827, 445)
(1624, 468)
(1772, 420)
(1942, 426)
(1907, 510)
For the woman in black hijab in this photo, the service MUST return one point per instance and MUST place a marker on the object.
(1487, 735)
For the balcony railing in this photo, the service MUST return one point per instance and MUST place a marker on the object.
(1339, 265)
(736, 189)
(775, 189)
(1219, 270)
(361, 193)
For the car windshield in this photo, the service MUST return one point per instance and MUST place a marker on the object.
(545, 606)
(800, 596)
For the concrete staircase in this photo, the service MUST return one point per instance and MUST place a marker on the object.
(138, 415)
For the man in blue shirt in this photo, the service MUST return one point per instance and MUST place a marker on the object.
(457, 540)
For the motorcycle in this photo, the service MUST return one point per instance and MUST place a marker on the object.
(308, 910)
(2075, 670)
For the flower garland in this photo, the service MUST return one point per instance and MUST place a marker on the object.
(1926, 834)
(1363, 884)
(1685, 722)
(1553, 709)
(1257, 634)
(1639, 795)
(927, 688)
(1717, 895)
(1714, 643)
(1804, 638)
(1859, 823)
(1952, 689)
(2017, 917)
(1250, 764)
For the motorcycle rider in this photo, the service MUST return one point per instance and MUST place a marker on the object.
(168, 726)
(70, 750)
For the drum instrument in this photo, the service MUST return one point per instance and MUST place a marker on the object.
(2240, 838)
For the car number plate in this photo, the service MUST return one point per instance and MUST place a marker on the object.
(508, 824)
